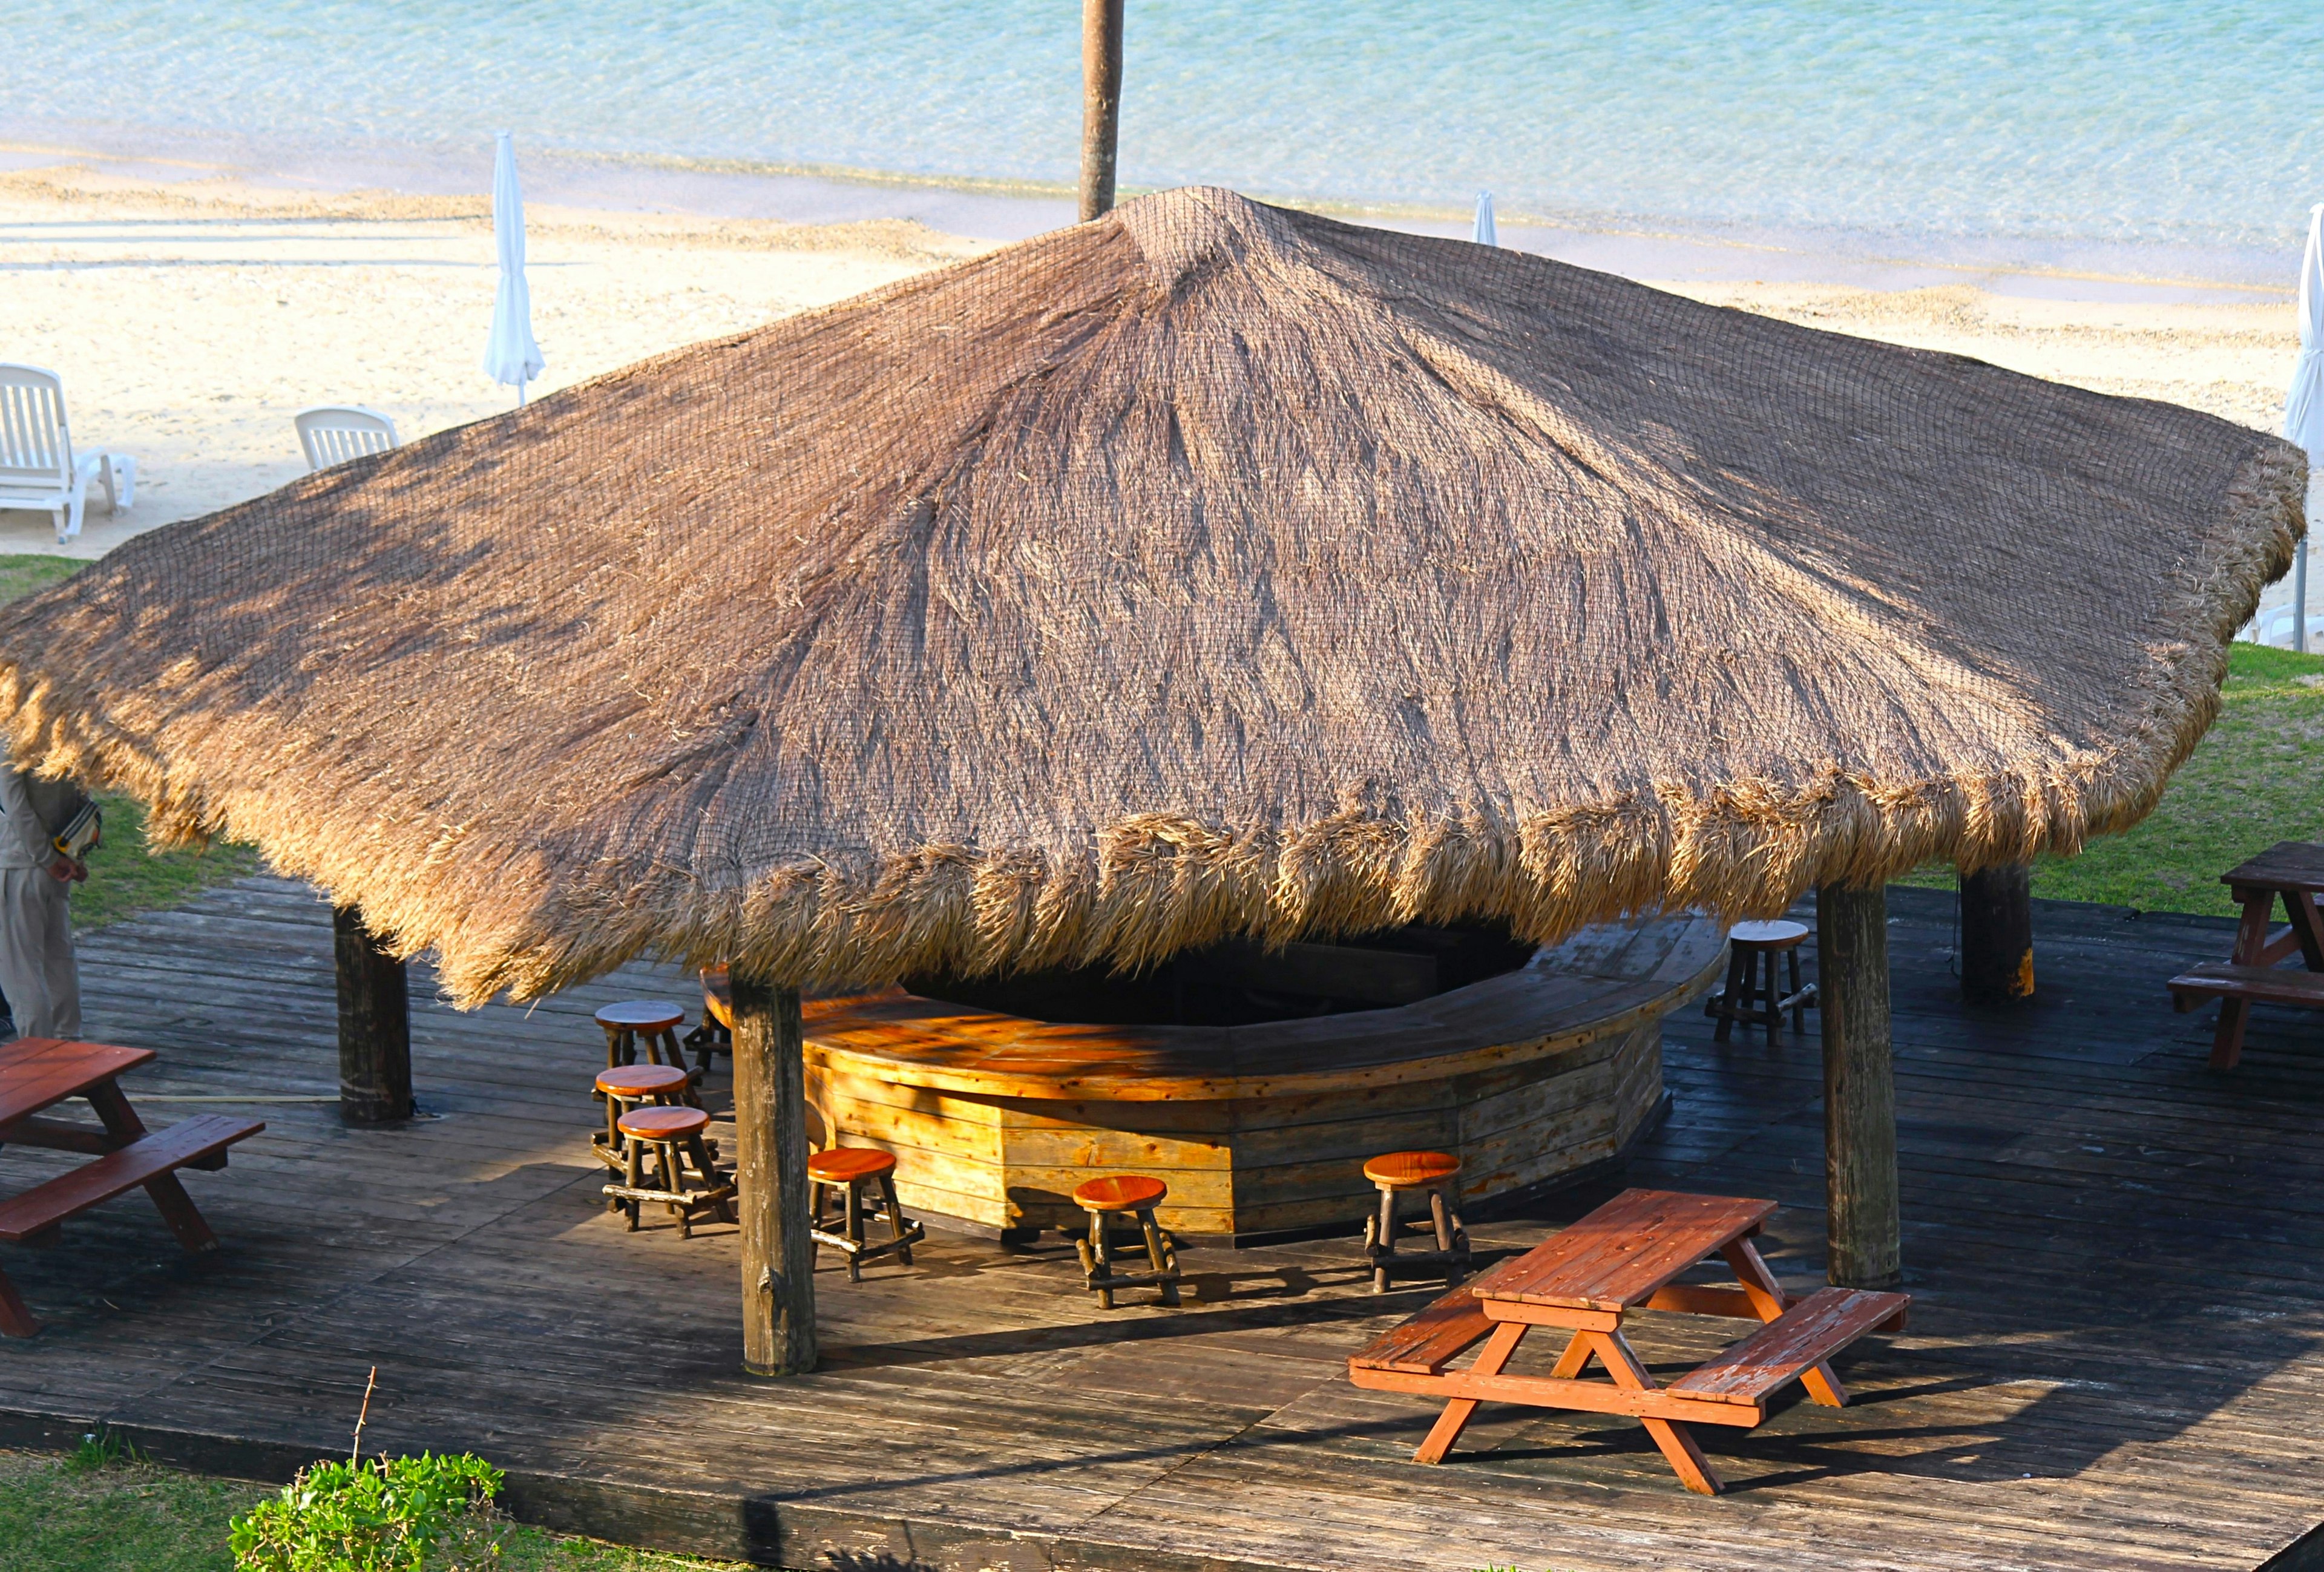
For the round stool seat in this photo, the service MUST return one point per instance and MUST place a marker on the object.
(664, 1124)
(640, 1081)
(642, 1016)
(1121, 1192)
(1780, 935)
(1411, 1170)
(846, 1164)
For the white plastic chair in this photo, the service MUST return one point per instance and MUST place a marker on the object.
(2276, 627)
(38, 470)
(334, 432)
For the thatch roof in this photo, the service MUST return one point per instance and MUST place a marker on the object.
(1208, 568)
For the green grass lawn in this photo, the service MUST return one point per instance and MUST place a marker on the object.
(84, 1513)
(2257, 778)
(124, 878)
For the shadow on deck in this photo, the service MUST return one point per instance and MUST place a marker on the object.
(2116, 1360)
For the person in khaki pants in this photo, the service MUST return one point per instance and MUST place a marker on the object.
(37, 969)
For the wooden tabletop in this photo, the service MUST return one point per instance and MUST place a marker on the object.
(1624, 1252)
(36, 1072)
(2286, 865)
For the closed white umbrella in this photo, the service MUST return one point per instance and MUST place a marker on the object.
(1485, 234)
(2303, 406)
(510, 355)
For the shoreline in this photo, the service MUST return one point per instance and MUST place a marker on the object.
(1642, 247)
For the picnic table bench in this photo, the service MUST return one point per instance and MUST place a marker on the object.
(36, 1073)
(1626, 1255)
(2292, 872)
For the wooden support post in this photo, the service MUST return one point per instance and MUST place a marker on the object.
(1861, 1223)
(1997, 934)
(375, 1026)
(1101, 103)
(770, 1139)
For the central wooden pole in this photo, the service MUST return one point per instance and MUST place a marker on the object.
(375, 1026)
(1101, 103)
(1996, 925)
(771, 1138)
(1862, 1225)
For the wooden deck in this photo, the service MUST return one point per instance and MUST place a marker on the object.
(2116, 1360)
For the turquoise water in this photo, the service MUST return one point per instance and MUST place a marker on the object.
(2175, 125)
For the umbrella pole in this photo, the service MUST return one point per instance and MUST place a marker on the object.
(1862, 1226)
(2300, 598)
(771, 1175)
(375, 1026)
(1101, 103)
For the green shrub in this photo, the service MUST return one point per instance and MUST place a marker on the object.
(389, 1514)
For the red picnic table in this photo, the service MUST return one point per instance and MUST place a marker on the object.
(1626, 1256)
(37, 1073)
(2290, 872)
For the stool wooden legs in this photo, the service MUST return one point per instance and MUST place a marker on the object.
(665, 1181)
(707, 1039)
(1754, 997)
(902, 1231)
(1451, 1252)
(623, 1043)
(1099, 1275)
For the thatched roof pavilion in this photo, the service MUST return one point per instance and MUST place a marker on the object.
(1205, 569)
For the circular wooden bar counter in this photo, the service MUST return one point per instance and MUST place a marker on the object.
(1525, 1076)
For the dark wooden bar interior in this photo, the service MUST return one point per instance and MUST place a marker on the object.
(2115, 1357)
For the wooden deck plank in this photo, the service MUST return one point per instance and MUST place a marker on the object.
(2117, 1259)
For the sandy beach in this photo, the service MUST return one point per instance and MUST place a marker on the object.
(192, 318)
(191, 321)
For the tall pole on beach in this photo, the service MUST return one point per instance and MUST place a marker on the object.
(1101, 103)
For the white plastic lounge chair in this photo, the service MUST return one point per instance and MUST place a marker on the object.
(2276, 627)
(38, 470)
(332, 433)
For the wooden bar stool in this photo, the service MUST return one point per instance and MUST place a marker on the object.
(649, 1025)
(631, 1086)
(1106, 1198)
(1399, 1173)
(1751, 994)
(671, 1138)
(851, 1170)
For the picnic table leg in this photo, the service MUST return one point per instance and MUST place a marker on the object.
(15, 1319)
(1676, 1441)
(1457, 1412)
(1766, 1296)
(2251, 946)
(2307, 926)
(170, 1197)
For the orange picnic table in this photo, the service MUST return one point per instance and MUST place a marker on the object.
(38, 1073)
(1625, 1256)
